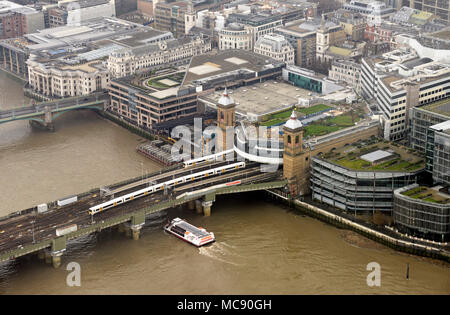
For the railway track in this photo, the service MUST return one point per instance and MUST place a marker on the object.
(165, 176)
(20, 231)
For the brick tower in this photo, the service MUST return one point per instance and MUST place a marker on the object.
(226, 117)
(293, 157)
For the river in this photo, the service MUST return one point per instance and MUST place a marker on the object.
(261, 247)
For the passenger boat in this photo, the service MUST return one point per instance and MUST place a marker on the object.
(189, 233)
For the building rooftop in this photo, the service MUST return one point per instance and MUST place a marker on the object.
(88, 67)
(442, 127)
(215, 65)
(340, 51)
(276, 42)
(427, 194)
(68, 36)
(254, 19)
(262, 98)
(146, 36)
(420, 74)
(159, 86)
(376, 155)
(6, 6)
(441, 107)
(403, 66)
(82, 3)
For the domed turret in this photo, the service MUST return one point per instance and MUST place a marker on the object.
(226, 100)
(293, 122)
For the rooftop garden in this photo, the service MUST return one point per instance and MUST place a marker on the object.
(165, 81)
(426, 194)
(328, 125)
(282, 116)
(401, 160)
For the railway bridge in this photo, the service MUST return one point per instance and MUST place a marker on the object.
(29, 231)
(47, 228)
(43, 114)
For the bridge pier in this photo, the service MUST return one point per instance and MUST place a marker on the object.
(56, 258)
(45, 126)
(54, 255)
(198, 206)
(136, 230)
(41, 254)
(128, 232)
(137, 222)
(207, 208)
(191, 204)
(207, 203)
(121, 228)
(48, 257)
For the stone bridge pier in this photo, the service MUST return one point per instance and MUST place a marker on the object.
(202, 205)
(46, 121)
(133, 228)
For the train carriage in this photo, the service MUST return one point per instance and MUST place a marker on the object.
(161, 186)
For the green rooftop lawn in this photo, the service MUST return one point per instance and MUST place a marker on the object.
(395, 165)
(425, 194)
(329, 125)
(319, 130)
(352, 161)
(282, 116)
(313, 109)
(155, 82)
(273, 122)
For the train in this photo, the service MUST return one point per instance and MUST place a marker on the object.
(221, 156)
(161, 186)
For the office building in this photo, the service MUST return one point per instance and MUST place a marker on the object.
(17, 20)
(275, 47)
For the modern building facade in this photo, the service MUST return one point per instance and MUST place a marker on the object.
(364, 189)
(400, 80)
(438, 152)
(171, 17)
(146, 107)
(423, 212)
(422, 118)
(309, 80)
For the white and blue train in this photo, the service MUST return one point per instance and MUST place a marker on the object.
(161, 186)
(221, 156)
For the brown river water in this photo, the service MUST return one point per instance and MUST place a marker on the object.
(261, 247)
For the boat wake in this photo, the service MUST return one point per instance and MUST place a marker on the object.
(222, 252)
